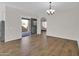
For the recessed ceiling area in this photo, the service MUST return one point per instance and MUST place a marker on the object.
(41, 7)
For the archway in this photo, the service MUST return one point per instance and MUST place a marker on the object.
(43, 24)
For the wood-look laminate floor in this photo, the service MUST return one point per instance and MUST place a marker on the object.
(39, 45)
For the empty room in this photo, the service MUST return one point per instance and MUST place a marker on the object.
(39, 28)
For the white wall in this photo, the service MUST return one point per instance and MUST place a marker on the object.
(2, 11)
(13, 23)
(2, 18)
(64, 24)
(38, 25)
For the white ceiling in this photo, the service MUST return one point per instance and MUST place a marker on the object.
(40, 7)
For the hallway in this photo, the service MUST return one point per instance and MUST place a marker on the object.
(39, 45)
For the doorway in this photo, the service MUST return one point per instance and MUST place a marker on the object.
(33, 26)
(25, 27)
(43, 24)
(29, 26)
(2, 30)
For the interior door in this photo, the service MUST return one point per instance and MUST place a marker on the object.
(2, 31)
(33, 26)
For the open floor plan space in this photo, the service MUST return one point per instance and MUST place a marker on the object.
(39, 28)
